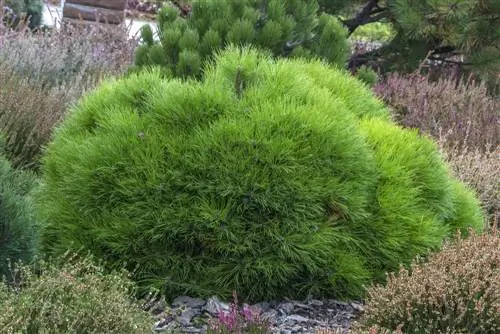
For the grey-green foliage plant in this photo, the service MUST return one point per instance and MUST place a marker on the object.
(18, 233)
(72, 294)
(286, 28)
(271, 177)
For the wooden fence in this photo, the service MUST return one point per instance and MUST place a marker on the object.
(103, 11)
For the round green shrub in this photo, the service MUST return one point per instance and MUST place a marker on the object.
(418, 202)
(17, 223)
(260, 179)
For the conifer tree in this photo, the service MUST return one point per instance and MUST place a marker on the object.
(16, 8)
(465, 32)
(285, 28)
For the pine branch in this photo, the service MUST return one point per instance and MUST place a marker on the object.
(366, 15)
(449, 61)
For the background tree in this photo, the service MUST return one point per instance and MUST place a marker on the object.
(31, 8)
(465, 33)
(285, 28)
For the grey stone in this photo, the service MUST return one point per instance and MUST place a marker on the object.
(338, 302)
(263, 306)
(186, 317)
(315, 302)
(357, 306)
(270, 316)
(188, 301)
(297, 318)
(192, 330)
(162, 326)
(303, 306)
(286, 307)
(214, 306)
(190, 315)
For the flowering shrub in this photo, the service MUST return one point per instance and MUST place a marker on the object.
(42, 74)
(438, 107)
(246, 320)
(480, 170)
(75, 297)
(456, 291)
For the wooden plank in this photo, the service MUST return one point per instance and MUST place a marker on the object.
(87, 13)
(84, 24)
(108, 4)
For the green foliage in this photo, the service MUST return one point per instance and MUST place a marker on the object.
(414, 195)
(376, 31)
(17, 224)
(286, 28)
(31, 8)
(367, 75)
(34, 9)
(75, 297)
(269, 177)
(467, 213)
(448, 27)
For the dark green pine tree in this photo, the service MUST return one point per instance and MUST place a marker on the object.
(283, 27)
(463, 32)
(32, 9)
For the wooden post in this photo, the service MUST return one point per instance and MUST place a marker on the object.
(102, 11)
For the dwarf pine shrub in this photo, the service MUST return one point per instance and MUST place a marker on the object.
(76, 296)
(285, 28)
(456, 291)
(415, 193)
(17, 223)
(269, 177)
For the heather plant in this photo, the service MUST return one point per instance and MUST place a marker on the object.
(236, 320)
(28, 114)
(457, 290)
(68, 56)
(269, 177)
(463, 109)
(285, 28)
(42, 74)
(71, 295)
(479, 169)
(18, 235)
